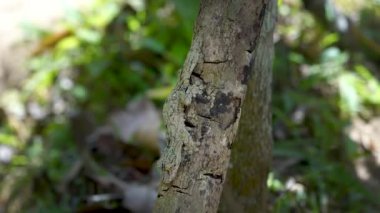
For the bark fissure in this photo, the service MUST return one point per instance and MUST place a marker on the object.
(218, 177)
(189, 124)
(216, 61)
(195, 77)
(182, 192)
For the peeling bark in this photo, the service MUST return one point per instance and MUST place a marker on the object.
(226, 64)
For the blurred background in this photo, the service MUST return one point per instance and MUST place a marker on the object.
(82, 84)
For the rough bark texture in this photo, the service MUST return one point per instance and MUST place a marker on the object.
(225, 64)
(251, 153)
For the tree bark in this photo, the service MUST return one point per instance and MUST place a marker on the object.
(251, 153)
(226, 76)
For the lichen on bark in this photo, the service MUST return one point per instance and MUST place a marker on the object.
(202, 114)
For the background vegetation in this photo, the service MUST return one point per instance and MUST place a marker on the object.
(59, 131)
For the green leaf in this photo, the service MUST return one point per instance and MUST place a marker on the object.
(329, 39)
(87, 35)
(350, 99)
(9, 140)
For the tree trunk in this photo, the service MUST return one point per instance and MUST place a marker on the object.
(226, 76)
(251, 153)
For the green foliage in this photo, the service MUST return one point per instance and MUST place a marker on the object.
(97, 61)
(317, 92)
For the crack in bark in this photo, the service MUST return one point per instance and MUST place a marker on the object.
(205, 117)
(216, 61)
(189, 124)
(178, 187)
(196, 76)
(218, 177)
(181, 190)
(210, 119)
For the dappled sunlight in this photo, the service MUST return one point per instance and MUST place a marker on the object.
(366, 135)
(325, 97)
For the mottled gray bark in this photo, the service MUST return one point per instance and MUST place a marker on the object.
(251, 153)
(225, 76)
